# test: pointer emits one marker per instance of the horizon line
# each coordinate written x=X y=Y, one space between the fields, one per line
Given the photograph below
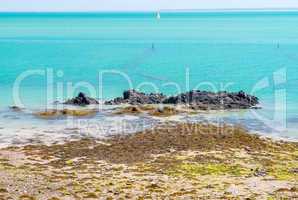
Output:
x=157 y=10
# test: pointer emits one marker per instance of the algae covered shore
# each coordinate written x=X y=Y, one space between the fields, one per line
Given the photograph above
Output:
x=170 y=161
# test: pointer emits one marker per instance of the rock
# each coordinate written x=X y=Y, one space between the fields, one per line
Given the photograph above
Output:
x=202 y=100
x=129 y=110
x=294 y=171
x=15 y=108
x=196 y=99
x=248 y=149
x=134 y=97
x=164 y=111
x=81 y=100
x=48 y=114
x=79 y=113
x=260 y=172
x=234 y=190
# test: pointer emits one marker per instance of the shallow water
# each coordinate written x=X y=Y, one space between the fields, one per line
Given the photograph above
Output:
x=22 y=128
x=252 y=51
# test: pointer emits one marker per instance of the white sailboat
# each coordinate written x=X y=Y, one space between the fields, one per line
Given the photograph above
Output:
x=158 y=15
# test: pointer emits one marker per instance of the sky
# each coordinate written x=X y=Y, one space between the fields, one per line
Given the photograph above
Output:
x=139 y=5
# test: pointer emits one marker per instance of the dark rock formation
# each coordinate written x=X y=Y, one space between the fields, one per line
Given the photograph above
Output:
x=210 y=100
x=15 y=108
x=81 y=100
x=260 y=172
x=198 y=100
x=134 y=97
x=294 y=171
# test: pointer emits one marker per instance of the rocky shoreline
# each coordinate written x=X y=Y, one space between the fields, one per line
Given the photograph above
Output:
x=153 y=104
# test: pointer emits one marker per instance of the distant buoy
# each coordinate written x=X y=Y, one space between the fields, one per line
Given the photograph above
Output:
x=158 y=15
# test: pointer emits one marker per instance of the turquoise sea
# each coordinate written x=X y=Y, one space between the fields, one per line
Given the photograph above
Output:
x=254 y=51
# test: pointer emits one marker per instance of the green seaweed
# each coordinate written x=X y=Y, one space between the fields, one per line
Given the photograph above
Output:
x=91 y=195
x=194 y=169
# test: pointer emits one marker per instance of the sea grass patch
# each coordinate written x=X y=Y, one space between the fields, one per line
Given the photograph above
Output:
x=141 y=146
x=128 y=110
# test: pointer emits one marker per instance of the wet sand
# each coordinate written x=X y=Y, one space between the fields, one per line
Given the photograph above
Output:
x=171 y=161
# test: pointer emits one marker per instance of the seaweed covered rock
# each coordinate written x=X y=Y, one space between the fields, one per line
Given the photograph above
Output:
x=53 y=114
x=81 y=100
x=152 y=110
x=165 y=111
x=129 y=110
x=134 y=97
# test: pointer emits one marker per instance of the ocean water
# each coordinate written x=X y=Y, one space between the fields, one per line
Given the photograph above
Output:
x=51 y=56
